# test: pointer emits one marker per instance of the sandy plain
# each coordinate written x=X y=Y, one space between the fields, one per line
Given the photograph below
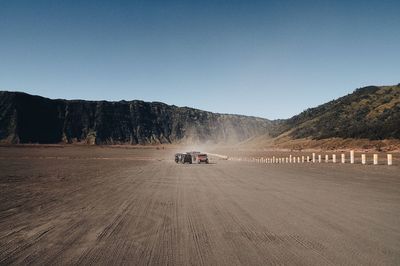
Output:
x=105 y=205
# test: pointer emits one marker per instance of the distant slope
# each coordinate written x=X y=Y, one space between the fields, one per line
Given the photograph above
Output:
x=26 y=118
x=368 y=118
x=370 y=112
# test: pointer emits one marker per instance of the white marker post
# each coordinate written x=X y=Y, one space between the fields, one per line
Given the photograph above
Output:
x=363 y=159
x=313 y=157
x=389 y=159
x=319 y=158
x=290 y=158
x=308 y=159
x=343 y=158
x=334 y=158
x=375 y=159
x=327 y=158
x=298 y=159
x=352 y=157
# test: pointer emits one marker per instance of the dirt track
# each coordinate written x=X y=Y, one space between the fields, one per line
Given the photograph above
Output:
x=125 y=206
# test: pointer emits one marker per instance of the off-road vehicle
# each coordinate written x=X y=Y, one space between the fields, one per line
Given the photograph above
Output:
x=187 y=158
x=202 y=158
x=178 y=157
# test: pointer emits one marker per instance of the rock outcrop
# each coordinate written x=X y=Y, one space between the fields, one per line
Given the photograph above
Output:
x=26 y=118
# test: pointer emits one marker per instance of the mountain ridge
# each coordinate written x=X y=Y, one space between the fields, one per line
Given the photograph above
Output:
x=116 y=122
x=367 y=118
x=371 y=112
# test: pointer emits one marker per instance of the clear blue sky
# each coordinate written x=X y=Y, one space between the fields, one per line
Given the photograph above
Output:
x=271 y=59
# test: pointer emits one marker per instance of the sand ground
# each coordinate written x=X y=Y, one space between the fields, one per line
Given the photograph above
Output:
x=100 y=205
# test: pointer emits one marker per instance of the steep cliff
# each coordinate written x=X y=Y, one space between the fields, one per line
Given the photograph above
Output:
x=26 y=118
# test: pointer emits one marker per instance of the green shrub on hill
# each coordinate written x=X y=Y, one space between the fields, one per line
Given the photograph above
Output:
x=371 y=112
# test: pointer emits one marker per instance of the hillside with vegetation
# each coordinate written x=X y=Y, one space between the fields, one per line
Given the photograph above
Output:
x=367 y=113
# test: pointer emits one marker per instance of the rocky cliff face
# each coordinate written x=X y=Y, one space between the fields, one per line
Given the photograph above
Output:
x=32 y=119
